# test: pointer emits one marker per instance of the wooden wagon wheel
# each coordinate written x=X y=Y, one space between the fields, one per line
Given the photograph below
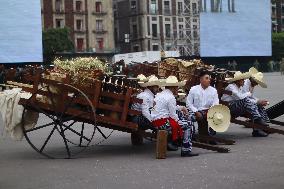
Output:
x=57 y=129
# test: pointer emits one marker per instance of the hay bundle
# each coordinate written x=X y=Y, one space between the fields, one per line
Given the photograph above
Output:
x=168 y=67
x=82 y=71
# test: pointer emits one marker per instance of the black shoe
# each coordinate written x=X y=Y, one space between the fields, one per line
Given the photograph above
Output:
x=188 y=154
x=212 y=132
x=172 y=146
x=259 y=133
x=212 y=142
x=261 y=122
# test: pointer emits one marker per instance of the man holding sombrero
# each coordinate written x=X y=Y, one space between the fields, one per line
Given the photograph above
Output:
x=200 y=99
x=151 y=85
x=165 y=117
x=240 y=102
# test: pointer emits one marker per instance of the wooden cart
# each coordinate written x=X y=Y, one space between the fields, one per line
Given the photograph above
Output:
x=72 y=116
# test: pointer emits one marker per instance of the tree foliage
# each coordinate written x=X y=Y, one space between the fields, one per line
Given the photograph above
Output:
x=56 y=40
x=278 y=45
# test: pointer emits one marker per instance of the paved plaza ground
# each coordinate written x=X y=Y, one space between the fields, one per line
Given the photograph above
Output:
x=252 y=162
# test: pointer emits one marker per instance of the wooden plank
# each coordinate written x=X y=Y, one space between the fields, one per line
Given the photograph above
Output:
x=161 y=145
x=97 y=93
x=220 y=140
x=253 y=125
x=280 y=123
x=211 y=147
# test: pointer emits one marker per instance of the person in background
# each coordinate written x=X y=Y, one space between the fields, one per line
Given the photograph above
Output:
x=241 y=103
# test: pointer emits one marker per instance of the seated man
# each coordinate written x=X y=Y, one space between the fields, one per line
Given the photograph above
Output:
x=151 y=88
x=165 y=117
x=200 y=99
x=240 y=102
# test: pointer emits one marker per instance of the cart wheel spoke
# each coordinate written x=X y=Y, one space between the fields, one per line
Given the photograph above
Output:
x=100 y=131
x=47 y=139
x=82 y=133
x=69 y=125
x=61 y=132
x=39 y=127
x=77 y=133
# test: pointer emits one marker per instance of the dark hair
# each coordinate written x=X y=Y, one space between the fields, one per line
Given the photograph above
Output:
x=203 y=73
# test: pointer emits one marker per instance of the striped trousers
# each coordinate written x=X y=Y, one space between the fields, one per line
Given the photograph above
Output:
x=246 y=105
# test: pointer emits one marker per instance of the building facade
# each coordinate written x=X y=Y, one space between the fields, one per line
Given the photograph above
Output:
x=90 y=22
x=156 y=25
x=277 y=15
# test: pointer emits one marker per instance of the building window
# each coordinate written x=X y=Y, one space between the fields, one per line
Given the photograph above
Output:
x=180 y=19
x=80 y=44
x=167 y=9
x=79 y=24
x=99 y=25
x=153 y=7
x=180 y=27
x=154 y=18
x=154 y=30
x=59 y=23
x=194 y=8
x=155 y=47
x=180 y=8
x=98 y=6
x=58 y=5
x=134 y=31
x=100 y=43
x=168 y=30
x=133 y=5
x=79 y=6
x=136 y=48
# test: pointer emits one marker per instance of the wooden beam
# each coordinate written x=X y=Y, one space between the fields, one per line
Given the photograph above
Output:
x=161 y=145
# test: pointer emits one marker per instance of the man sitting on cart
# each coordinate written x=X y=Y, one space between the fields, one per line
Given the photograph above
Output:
x=200 y=99
x=165 y=117
x=241 y=102
x=151 y=86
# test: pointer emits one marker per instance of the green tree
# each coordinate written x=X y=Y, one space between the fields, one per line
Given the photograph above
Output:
x=278 y=45
x=56 y=40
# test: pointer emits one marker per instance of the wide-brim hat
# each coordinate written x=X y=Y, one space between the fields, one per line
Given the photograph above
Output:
x=239 y=76
x=142 y=78
x=219 y=118
x=257 y=77
x=153 y=81
x=172 y=81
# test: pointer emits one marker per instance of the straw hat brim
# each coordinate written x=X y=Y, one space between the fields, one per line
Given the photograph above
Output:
x=177 y=84
x=225 y=111
x=260 y=82
x=149 y=84
x=240 y=77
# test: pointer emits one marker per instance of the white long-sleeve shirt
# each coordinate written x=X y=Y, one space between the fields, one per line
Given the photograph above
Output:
x=200 y=99
x=148 y=100
x=165 y=106
x=249 y=88
x=237 y=93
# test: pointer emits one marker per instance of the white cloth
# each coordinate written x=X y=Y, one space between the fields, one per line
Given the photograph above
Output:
x=199 y=99
x=165 y=106
x=237 y=93
x=148 y=100
x=12 y=113
x=248 y=88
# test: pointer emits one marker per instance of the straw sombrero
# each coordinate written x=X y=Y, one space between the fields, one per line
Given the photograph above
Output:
x=257 y=77
x=219 y=118
x=239 y=76
x=142 y=78
x=172 y=81
x=152 y=81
